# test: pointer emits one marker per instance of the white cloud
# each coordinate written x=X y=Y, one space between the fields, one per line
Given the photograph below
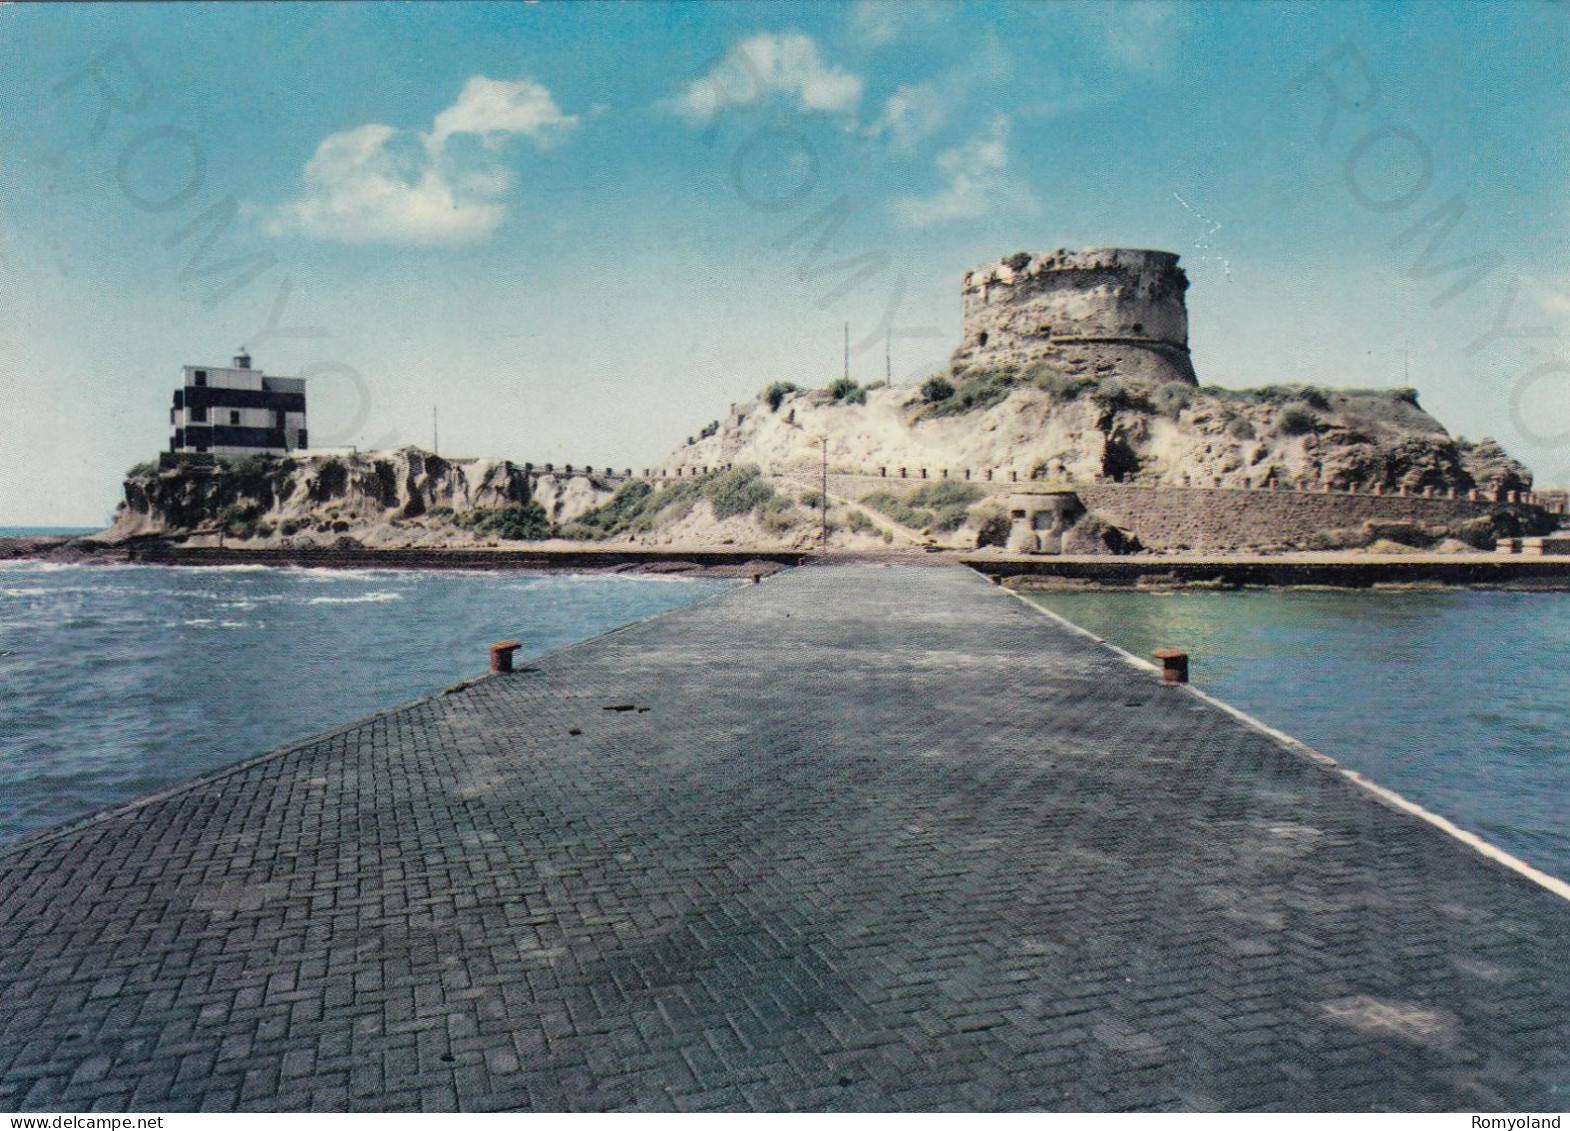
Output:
x=977 y=181
x=913 y=112
x=878 y=23
x=492 y=110
x=379 y=184
x=766 y=65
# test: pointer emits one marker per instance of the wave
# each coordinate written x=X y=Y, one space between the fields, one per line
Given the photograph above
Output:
x=367 y=598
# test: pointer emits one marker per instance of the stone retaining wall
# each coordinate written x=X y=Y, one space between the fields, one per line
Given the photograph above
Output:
x=1215 y=519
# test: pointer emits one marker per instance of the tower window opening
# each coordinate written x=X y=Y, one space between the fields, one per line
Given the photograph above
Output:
x=981 y=338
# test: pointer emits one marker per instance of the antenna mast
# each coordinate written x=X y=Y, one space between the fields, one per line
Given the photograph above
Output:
x=435 y=435
x=847 y=351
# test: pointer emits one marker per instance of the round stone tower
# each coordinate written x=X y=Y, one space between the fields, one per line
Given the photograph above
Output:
x=1104 y=312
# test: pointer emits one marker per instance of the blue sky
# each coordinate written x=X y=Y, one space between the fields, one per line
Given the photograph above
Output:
x=581 y=230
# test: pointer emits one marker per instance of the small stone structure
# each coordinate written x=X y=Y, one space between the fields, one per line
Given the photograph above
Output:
x=1038 y=520
x=1100 y=312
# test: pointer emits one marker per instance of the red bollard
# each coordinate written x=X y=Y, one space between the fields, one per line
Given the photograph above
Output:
x=501 y=655
x=1174 y=665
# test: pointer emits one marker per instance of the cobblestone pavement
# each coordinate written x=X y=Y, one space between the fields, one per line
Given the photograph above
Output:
x=858 y=838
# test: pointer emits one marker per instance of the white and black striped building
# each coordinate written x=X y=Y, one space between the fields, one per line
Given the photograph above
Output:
x=236 y=412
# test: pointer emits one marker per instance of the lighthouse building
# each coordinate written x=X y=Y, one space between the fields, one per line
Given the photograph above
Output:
x=236 y=412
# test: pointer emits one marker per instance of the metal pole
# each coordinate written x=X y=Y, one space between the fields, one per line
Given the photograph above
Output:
x=436 y=444
x=847 y=351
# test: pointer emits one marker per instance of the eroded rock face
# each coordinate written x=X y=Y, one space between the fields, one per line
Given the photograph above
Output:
x=330 y=495
x=1105 y=312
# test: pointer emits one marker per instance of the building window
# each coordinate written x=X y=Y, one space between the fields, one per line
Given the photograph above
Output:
x=234 y=416
x=201 y=378
x=199 y=414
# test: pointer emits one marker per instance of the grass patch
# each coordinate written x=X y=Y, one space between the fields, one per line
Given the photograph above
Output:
x=939 y=507
x=973 y=391
x=638 y=507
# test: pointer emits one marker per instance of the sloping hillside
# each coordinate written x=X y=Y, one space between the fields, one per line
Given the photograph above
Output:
x=1045 y=425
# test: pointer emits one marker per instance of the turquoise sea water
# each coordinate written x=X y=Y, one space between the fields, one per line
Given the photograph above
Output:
x=118 y=680
x=1458 y=700
x=47 y=531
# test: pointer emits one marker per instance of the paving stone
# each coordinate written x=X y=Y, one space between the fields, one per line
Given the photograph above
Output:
x=885 y=838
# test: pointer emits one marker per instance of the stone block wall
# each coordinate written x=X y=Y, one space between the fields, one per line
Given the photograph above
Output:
x=1220 y=520
x=1204 y=519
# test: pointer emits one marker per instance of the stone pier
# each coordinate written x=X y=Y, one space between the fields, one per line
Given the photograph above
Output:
x=860 y=837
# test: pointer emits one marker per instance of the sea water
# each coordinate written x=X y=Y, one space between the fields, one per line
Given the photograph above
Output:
x=1457 y=699
x=118 y=680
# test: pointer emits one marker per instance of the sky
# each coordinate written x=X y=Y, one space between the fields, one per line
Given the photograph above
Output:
x=577 y=232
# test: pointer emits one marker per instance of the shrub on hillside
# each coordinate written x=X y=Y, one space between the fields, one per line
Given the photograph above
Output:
x=978 y=389
x=526 y=522
x=938 y=506
x=736 y=492
x=846 y=391
x=1298 y=420
x=935 y=389
x=774 y=395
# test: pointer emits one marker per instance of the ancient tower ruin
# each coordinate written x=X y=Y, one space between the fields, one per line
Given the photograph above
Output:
x=1103 y=312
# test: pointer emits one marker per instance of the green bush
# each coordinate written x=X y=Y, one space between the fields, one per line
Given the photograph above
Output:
x=1298 y=420
x=736 y=492
x=527 y=522
x=812 y=500
x=846 y=391
x=615 y=516
x=858 y=523
x=978 y=389
x=935 y=389
x=774 y=395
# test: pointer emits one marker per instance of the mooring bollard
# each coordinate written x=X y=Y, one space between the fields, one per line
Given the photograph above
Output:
x=501 y=655
x=1174 y=665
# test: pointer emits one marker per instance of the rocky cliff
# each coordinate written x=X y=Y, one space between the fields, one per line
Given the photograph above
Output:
x=1039 y=424
x=411 y=498
x=406 y=497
